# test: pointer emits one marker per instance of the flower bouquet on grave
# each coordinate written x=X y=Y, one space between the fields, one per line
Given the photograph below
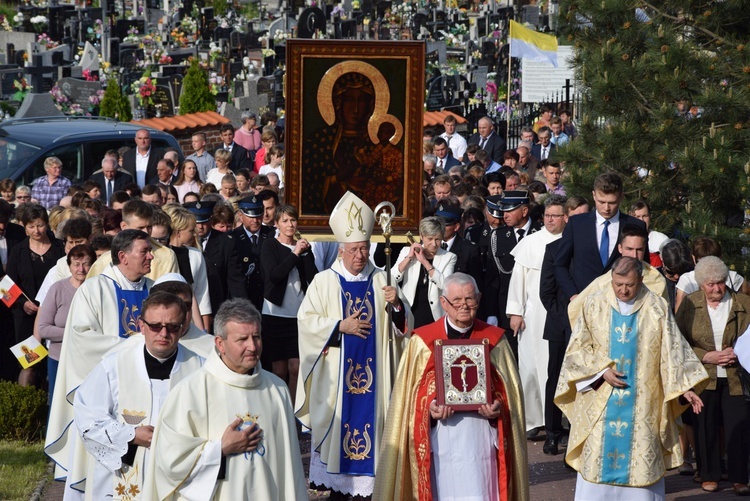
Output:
x=45 y=40
x=39 y=23
x=21 y=88
x=18 y=20
x=178 y=37
x=4 y=24
x=132 y=36
x=94 y=33
x=144 y=90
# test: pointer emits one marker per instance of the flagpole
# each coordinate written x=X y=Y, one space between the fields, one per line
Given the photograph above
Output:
x=507 y=96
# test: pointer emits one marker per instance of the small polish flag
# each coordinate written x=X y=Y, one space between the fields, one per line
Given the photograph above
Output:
x=9 y=291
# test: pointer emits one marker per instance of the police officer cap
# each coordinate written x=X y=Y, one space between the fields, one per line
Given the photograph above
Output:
x=201 y=210
x=493 y=206
x=513 y=200
x=251 y=206
x=450 y=213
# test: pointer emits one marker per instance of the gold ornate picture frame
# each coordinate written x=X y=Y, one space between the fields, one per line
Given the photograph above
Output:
x=462 y=373
x=354 y=123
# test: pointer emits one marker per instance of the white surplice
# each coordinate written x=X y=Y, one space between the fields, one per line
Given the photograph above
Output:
x=523 y=300
x=91 y=331
x=119 y=389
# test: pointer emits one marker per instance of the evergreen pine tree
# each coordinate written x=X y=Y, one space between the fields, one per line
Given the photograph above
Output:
x=114 y=104
x=196 y=94
x=667 y=105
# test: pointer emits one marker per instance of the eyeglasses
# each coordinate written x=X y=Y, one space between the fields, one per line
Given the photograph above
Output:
x=171 y=328
x=162 y=240
x=458 y=303
x=352 y=252
x=553 y=216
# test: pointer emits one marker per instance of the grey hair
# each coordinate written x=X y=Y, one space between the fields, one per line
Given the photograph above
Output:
x=248 y=115
x=23 y=189
x=459 y=279
x=430 y=159
x=555 y=199
x=624 y=265
x=710 y=269
x=123 y=242
x=432 y=227
x=107 y=160
x=237 y=310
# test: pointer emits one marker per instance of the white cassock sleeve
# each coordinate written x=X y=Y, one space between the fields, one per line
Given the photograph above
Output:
x=517 y=291
x=104 y=437
x=200 y=282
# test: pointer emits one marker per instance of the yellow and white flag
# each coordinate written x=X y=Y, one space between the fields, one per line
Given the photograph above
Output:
x=530 y=44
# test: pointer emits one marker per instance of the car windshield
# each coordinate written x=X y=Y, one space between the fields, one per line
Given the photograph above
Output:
x=14 y=154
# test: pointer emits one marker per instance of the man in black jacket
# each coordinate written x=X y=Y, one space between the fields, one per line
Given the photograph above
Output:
x=249 y=239
x=110 y=179
x=140 y=162
x=222 y=267
x=240 y=159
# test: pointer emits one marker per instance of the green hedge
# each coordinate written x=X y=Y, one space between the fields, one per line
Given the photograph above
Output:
x=23 y=412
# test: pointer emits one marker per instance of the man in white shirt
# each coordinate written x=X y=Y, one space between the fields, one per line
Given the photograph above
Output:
x=456 y=142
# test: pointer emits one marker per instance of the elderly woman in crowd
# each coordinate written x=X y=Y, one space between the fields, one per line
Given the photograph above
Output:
x=420 y=270
x=711 y=320
x=248 y=135
x=53 y=312
x=28 y=264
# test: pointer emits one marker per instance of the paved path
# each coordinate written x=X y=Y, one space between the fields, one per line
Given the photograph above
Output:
x=550 y=480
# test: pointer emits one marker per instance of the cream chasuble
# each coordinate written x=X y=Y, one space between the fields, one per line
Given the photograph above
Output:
x=186 y=449
x=115 y=398
x=319 y=391
x=626 y=437
x=523 y=300
x=91 y=331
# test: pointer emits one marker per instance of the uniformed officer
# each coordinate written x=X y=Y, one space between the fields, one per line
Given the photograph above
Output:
x=513 y=207
x=222 y=268
x=249 y=239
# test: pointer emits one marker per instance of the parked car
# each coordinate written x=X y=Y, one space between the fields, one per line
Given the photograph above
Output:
x=79 y=142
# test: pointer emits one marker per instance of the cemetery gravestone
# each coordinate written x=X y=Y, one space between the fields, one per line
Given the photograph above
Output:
x=79 y=91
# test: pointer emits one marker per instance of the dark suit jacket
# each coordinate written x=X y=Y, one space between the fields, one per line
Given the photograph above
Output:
x=155 y=180
x=468 y=260
x=495 y=294
x=225 y=280
x=248 y=256
x=14 y=235
x=121 y=179
x=536 y=150
x=495 y=146
x=128 y=162
x=577 y=263
x=449 y=162
x=276 y=262
x=240 y=157
x=557 y=325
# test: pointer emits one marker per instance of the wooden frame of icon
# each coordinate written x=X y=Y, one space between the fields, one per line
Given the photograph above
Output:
x=354 y=123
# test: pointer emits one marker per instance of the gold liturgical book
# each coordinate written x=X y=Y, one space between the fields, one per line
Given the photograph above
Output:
x=462 y=373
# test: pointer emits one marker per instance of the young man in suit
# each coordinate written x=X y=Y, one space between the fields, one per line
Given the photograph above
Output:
x=488 y=140
x=240 y=159
x=588 y=246
x=445 y=159
x=110 y=179
x=249 y=239
x=140 y=162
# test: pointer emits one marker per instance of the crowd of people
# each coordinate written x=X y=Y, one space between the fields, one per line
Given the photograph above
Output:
x=192 y=329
